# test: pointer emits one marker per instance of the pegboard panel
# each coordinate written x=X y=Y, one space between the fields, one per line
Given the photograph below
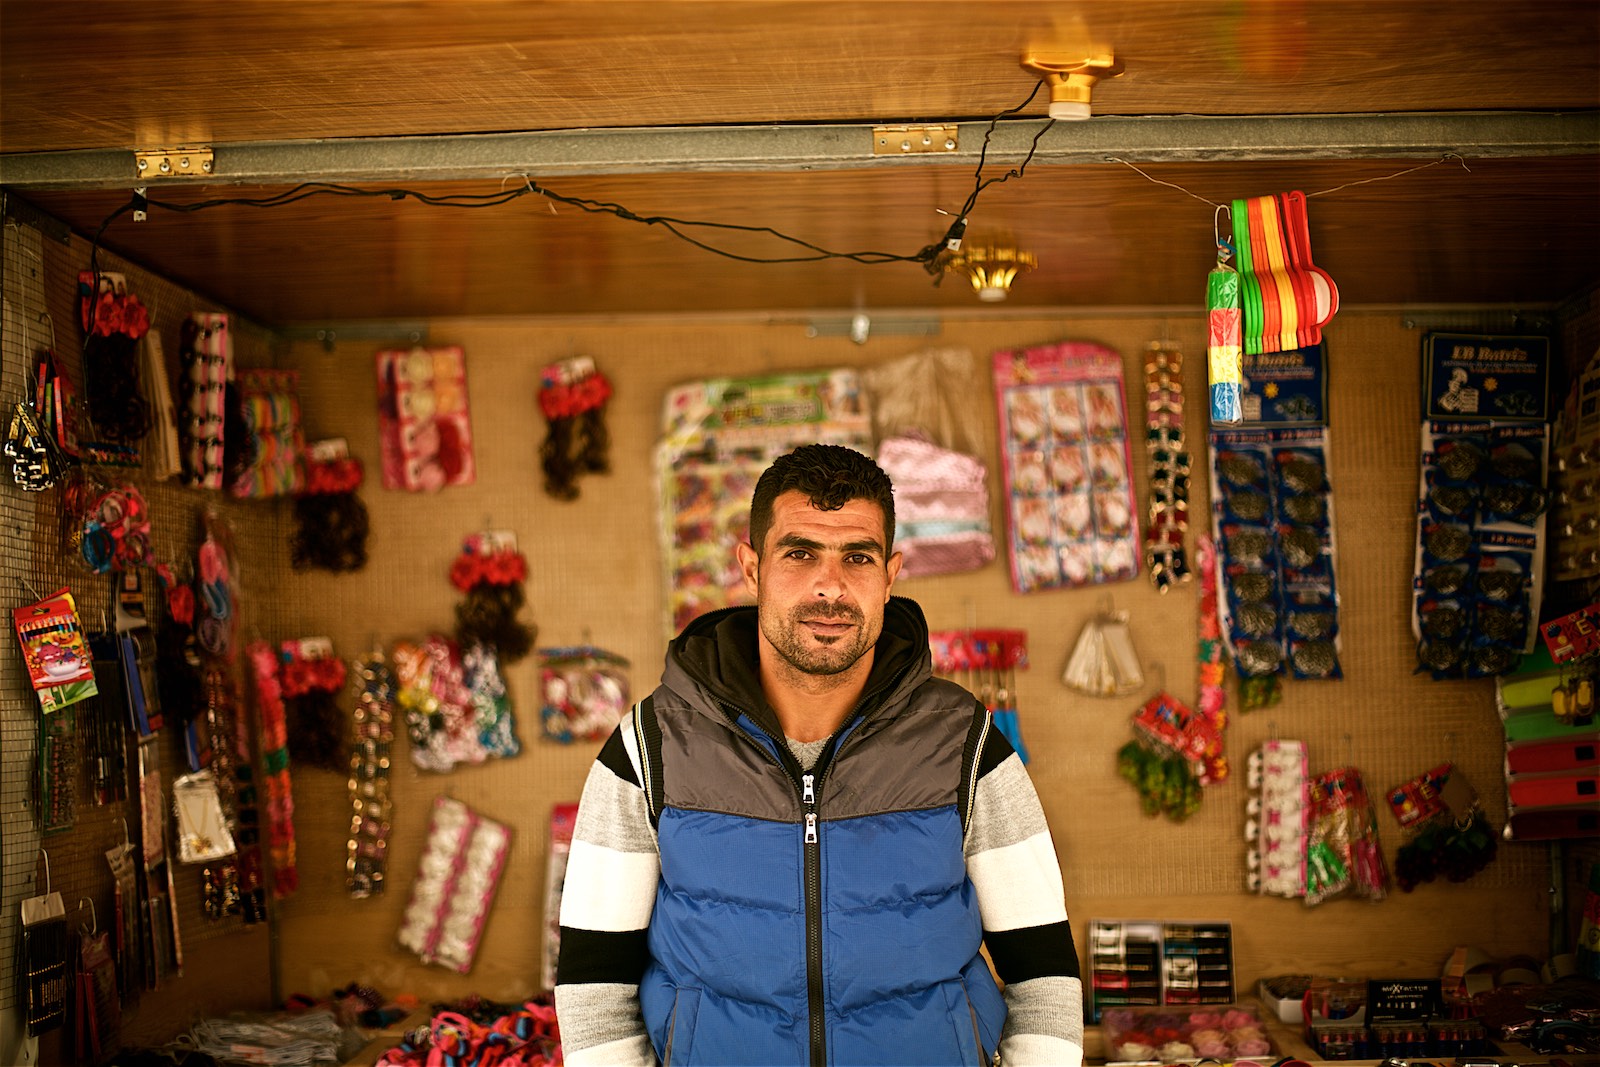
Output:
x=594 y=566
x=41 y=311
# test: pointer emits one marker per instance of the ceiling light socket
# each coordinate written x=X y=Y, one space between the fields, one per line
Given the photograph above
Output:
x=1072 y=78
x=990 y=268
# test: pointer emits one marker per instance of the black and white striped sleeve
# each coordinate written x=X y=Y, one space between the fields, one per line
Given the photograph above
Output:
x=606 y=901
x=1012 y=863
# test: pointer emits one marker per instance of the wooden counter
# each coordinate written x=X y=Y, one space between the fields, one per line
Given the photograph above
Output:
x=1288 y=1039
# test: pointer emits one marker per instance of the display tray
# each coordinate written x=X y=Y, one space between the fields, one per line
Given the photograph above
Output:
x=1184 y=1035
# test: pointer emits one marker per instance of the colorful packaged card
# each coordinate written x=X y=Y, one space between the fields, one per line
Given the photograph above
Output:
x=1068 y=472
x=718 y=435
x=60 y=666
x=423 y=424
x=270 y=405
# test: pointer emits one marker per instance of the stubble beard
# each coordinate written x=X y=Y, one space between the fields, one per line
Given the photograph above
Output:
x=790 y=639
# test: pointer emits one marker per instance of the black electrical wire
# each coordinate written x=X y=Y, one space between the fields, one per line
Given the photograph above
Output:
x=928 y=255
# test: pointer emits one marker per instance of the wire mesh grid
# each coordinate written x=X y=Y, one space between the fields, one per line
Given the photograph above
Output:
x=41 y=312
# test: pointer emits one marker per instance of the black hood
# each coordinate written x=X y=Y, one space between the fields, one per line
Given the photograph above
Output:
x=713 y=662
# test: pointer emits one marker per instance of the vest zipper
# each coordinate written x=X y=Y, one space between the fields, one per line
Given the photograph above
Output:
x=806 y=783
x=813 y=856
x=809 y=784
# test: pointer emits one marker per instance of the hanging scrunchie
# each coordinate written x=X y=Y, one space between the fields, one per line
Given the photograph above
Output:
x=572 y=395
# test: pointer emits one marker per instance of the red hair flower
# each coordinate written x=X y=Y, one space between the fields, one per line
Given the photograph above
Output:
x=564 y=401
x=471 y=569
x=120 y=314
x=302 y=676
x=325 y=477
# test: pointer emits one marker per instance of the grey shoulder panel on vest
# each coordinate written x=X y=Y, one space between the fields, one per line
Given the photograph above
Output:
x=907 y=758
x=709 y=765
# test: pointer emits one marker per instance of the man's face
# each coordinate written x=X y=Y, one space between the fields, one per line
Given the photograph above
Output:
x=821 y=582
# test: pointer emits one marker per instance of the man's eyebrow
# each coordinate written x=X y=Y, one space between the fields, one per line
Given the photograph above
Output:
x=796 y=541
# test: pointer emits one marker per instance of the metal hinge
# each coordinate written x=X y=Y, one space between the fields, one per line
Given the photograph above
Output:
x=908 y=140
x=194 y=162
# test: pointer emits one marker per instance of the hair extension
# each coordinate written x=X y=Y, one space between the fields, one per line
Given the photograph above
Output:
x=331 y=521
x=572 y=395
x=560 y=470
x=314 y=722
x=596 y=442
x=488 y=616
x=331 y=533
x=111 y=381
x=316 y=730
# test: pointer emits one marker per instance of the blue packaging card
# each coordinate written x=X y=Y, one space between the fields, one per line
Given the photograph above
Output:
x=1485 y=376
x=1285 y=388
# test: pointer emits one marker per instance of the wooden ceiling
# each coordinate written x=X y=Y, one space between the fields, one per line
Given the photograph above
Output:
x=96 y=79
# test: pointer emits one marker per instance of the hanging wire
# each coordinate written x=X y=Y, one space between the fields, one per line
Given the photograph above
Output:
x=1158 y=181
x=927 y=255
x=1446 y=158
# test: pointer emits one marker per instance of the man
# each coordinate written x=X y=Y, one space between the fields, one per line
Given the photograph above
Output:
x=793 y=850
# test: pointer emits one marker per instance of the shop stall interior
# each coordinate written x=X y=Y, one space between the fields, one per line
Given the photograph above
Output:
x=332 y=332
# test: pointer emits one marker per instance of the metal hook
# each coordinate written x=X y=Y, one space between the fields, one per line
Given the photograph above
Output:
x=29 y=587
x=46 y=856
x=44 y=316
x=94 y=920
x=125 y=839
x=1224 y=246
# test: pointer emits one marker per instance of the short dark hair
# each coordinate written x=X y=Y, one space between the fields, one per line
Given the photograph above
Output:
x=830 y=476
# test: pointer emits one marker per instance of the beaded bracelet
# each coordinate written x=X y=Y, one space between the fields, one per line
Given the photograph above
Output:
x=1164 y=552
x=366 y=863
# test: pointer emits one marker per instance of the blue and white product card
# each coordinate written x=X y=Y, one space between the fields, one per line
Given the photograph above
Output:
x=1285 y=388
x=1485 y=376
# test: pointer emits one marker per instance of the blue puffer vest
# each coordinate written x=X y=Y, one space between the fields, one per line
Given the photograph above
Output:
x=820 y=918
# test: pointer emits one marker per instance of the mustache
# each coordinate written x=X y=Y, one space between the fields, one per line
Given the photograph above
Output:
x=841 y=614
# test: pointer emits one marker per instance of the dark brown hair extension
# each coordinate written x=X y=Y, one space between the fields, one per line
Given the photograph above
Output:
x=315 y=725
x=488 y=616
x=560 y=468
x=331 y=532
x=595 y=453
x=117 y=407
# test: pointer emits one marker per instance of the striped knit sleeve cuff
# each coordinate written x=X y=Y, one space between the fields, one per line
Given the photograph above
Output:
x=589 y=1036
x=1044 y=1023
x=607 y=897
